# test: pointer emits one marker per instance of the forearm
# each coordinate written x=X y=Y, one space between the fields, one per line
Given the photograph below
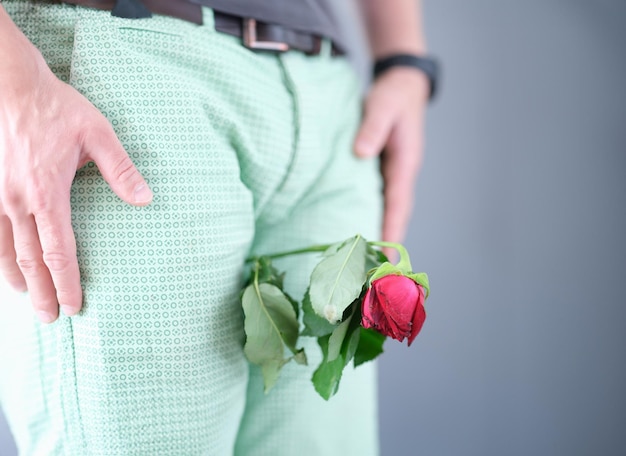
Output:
x=394 y=26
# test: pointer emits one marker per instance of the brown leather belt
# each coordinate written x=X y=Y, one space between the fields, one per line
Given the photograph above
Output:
x=255 y=34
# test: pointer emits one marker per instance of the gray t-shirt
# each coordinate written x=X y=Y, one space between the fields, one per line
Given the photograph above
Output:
x=315 y=16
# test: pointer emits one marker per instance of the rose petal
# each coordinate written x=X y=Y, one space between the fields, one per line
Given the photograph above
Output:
x=366 y=309
x=398 y=297
x=418 y=318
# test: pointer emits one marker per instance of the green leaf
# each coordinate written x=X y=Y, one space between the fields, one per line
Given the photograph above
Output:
x=351 y=343
x=265 y=272
x=338 y=349
x=375 y=257
x=342 y=338
x=333 y=248
x=314 y=325
x=337 y=280
x=270 y=370
x=370 y=346
x=271 y=328
x=336 y=339
x=327 y=376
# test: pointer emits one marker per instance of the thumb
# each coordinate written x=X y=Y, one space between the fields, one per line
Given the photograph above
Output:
x=103 y=147
x=376 y=126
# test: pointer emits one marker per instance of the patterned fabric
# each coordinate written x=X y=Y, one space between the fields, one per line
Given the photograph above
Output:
x=246 y=153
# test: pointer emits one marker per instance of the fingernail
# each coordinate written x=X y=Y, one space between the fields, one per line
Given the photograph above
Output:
x=142 y=194
x=69 y=311
x=46 y=317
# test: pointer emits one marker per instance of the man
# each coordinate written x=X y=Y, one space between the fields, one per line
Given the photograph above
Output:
x=233 y=151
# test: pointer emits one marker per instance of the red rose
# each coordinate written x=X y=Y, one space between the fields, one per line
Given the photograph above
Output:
x=394 y=306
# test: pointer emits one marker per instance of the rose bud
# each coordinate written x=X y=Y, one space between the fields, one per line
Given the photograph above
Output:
x=394 y=306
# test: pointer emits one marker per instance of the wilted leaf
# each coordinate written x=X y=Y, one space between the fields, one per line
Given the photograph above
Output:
x=271 y=328
x=314 y=325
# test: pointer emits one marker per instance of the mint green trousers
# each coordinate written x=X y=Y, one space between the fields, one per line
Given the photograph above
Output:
x=246 y=153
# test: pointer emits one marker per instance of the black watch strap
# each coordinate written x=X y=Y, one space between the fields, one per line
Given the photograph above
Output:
x=428 y=65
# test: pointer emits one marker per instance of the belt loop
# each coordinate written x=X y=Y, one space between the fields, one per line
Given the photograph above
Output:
x=130 y=9
x=208 y=19
x=326 y=48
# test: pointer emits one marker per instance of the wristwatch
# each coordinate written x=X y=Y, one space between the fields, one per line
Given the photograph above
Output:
x=428 y=65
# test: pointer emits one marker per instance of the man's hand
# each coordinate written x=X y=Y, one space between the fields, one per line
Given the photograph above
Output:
x=394 y=109
x=393 y=124
x=47 y=131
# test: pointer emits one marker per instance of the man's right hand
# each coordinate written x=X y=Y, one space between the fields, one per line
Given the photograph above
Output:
x=48 y=130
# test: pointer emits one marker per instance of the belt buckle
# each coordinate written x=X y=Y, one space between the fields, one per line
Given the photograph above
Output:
x=251 y=42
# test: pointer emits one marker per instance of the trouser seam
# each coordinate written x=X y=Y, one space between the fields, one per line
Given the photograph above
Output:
x=290 y=85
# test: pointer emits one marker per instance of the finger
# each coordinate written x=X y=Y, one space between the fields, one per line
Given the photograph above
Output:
x=30 y=260
x=103 y=147
x=397 y=215
x=8 y=265
x=400 y=165
x=397 y=211
x=378 y=120
x=58 y=247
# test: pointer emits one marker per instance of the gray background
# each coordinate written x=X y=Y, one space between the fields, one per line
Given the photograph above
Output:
x=520 y=214
x=520 y=223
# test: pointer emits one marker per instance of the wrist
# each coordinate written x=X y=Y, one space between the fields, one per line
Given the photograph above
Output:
x=20 y=60
x=428 y=67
